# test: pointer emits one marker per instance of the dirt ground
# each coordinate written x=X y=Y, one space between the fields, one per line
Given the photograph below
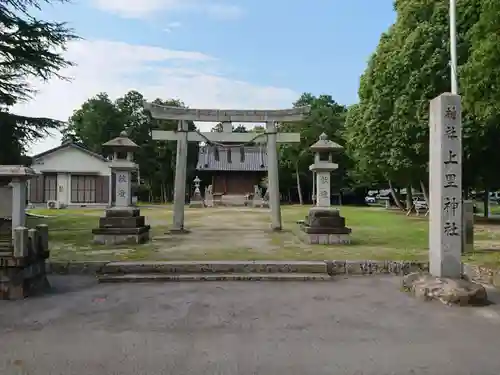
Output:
x=224 y=230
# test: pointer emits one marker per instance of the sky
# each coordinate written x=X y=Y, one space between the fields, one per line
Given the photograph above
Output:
x=227 y=54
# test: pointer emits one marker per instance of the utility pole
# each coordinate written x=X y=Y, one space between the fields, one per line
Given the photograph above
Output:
x=453 y=46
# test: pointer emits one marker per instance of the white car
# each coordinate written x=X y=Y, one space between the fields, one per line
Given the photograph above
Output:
x=420 y=204
x=369 y=199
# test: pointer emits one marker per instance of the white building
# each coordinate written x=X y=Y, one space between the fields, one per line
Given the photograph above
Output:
x=70 y=175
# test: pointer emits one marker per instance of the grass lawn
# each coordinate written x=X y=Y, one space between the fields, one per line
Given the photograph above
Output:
x=243 y=234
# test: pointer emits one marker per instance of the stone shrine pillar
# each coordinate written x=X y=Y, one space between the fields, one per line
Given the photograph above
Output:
x=196 y=199
x=445 y=182
x=23 y=251
x=123 y=222
x=323 y=224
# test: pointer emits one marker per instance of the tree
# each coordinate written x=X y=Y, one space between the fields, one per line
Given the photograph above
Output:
x=99 y=119
x=387 y=131
x=480 y=83
x=326 y=116
x=27 y=49
x=96 y=122
x=236 y=129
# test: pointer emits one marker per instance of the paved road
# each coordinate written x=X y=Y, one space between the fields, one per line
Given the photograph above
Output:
x=354 y=326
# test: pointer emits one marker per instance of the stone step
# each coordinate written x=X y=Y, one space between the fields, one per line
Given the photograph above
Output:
x=162 y=277
x=217 y=267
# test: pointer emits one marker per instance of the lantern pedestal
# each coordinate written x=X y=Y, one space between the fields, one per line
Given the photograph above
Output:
x=324 y=226
x=121 y=225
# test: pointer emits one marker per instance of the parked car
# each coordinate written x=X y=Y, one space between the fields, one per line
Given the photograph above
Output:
x=420 y=204
x=369 y=199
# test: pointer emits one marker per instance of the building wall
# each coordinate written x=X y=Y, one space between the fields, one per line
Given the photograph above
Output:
x=235 y=182
x=65 y=165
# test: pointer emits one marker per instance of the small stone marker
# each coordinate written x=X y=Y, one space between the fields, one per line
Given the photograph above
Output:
x=258 y=200
x=323 y=224
x=445 y=181
x=196 y=199
x=209 y=196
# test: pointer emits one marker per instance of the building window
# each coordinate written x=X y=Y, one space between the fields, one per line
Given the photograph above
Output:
x=83 y=189
x=242 y=154
x=50 y=187
x=229 y=159
x=216 y=153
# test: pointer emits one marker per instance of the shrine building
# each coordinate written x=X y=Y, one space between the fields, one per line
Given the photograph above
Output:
x=232 y=169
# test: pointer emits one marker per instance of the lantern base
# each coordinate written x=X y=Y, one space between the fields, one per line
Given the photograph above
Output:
x=324 y=226
x=121 y=225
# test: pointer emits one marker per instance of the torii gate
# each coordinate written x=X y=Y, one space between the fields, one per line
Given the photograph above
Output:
x=183 y=136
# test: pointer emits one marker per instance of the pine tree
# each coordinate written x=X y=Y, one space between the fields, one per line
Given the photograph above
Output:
x=29 y=48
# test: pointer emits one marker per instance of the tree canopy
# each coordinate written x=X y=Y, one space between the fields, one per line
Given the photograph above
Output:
x=29 y=48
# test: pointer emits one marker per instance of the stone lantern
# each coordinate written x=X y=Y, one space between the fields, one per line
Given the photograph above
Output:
x=323 y=224
x=122 y=222
x=196 y=199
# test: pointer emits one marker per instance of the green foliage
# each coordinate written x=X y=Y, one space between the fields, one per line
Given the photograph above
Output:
x=29 y=48
x=387 y=132
x=99 y=119
x=326 y=116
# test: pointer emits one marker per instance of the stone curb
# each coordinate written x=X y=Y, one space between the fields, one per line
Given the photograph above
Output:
x=330 y=267
x=247 y=276
x=75 y=268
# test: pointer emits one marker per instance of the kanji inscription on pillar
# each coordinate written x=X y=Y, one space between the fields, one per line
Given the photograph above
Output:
x=445 y=181
x=323 y=189
x=123 y=188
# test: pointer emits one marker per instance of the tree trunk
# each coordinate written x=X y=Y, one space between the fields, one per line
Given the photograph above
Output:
x=424 y=192
x=486 y=203
x=299 y=188
x=395 y=196
x=409 y=198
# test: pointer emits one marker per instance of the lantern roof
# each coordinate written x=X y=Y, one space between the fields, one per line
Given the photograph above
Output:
x=122 y=142
x=324 y=144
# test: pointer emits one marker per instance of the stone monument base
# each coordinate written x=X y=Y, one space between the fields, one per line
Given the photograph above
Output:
x=22 y=265
x=449 y=291
x=121 y=226
x=260 y=203
x=196 y=204
x=325 y=239
x=324 y=226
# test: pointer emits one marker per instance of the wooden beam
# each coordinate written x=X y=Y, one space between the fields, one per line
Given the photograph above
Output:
x=224 y=115
x=164 y=135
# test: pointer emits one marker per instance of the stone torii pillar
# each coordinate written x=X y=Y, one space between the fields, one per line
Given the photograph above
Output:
x=226 y=117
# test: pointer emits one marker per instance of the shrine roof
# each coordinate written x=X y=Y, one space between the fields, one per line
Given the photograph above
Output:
x=255 y=159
